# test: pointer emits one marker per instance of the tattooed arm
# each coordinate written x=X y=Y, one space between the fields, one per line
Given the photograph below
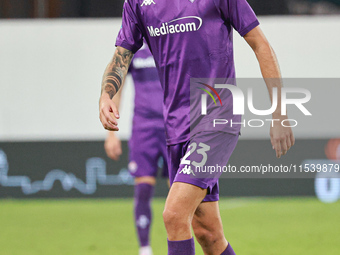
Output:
x=113 y=78
x=116 y=71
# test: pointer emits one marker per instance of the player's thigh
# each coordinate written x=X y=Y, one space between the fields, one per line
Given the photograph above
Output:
x=183 y=199
x=207 y=218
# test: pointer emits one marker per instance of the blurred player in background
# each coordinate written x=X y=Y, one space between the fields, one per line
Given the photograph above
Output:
x=193 y=39
x=147 y=144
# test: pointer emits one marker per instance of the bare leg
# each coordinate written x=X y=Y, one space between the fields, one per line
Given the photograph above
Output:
x=181 y=204
x=208 y=228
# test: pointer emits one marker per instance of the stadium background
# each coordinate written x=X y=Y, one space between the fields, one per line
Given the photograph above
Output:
x=52 y=56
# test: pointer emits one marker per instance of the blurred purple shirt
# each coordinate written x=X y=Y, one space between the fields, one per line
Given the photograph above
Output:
x=148 y=110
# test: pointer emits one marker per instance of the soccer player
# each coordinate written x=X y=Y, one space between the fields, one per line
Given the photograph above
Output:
x=147 y=144
x=193 y=39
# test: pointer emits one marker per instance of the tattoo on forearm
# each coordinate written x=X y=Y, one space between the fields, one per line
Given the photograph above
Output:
x=116 y=71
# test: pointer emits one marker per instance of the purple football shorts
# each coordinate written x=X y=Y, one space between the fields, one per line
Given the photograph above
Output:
x=188 y=161
x=147 y=152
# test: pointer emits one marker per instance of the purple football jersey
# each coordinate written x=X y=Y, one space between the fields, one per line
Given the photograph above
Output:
x=148 y=111
x=188 y=39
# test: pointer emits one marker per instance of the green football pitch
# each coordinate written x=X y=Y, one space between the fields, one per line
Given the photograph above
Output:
x=255 y=226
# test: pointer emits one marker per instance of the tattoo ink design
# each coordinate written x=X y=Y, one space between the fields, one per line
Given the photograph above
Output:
x=116 y=71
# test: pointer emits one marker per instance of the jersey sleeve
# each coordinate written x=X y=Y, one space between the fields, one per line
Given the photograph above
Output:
x=240 y=15
x=130 y=36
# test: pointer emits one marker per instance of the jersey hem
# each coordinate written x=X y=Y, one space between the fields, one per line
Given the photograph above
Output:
x=192 y=181
x=182 y=139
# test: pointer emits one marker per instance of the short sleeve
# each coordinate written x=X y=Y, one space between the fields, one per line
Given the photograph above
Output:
x=240 y=15
x=130 y=36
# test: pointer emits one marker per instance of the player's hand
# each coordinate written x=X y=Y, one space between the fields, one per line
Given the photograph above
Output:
x=108 y=113
x=282 y=138
x=113 y=146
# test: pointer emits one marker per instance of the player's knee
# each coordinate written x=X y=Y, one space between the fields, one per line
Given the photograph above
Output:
x=207 y=237
x=170 y=217
x=174 y=220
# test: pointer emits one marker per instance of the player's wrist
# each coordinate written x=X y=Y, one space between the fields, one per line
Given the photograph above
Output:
x=112 y=134
x=104 y=96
